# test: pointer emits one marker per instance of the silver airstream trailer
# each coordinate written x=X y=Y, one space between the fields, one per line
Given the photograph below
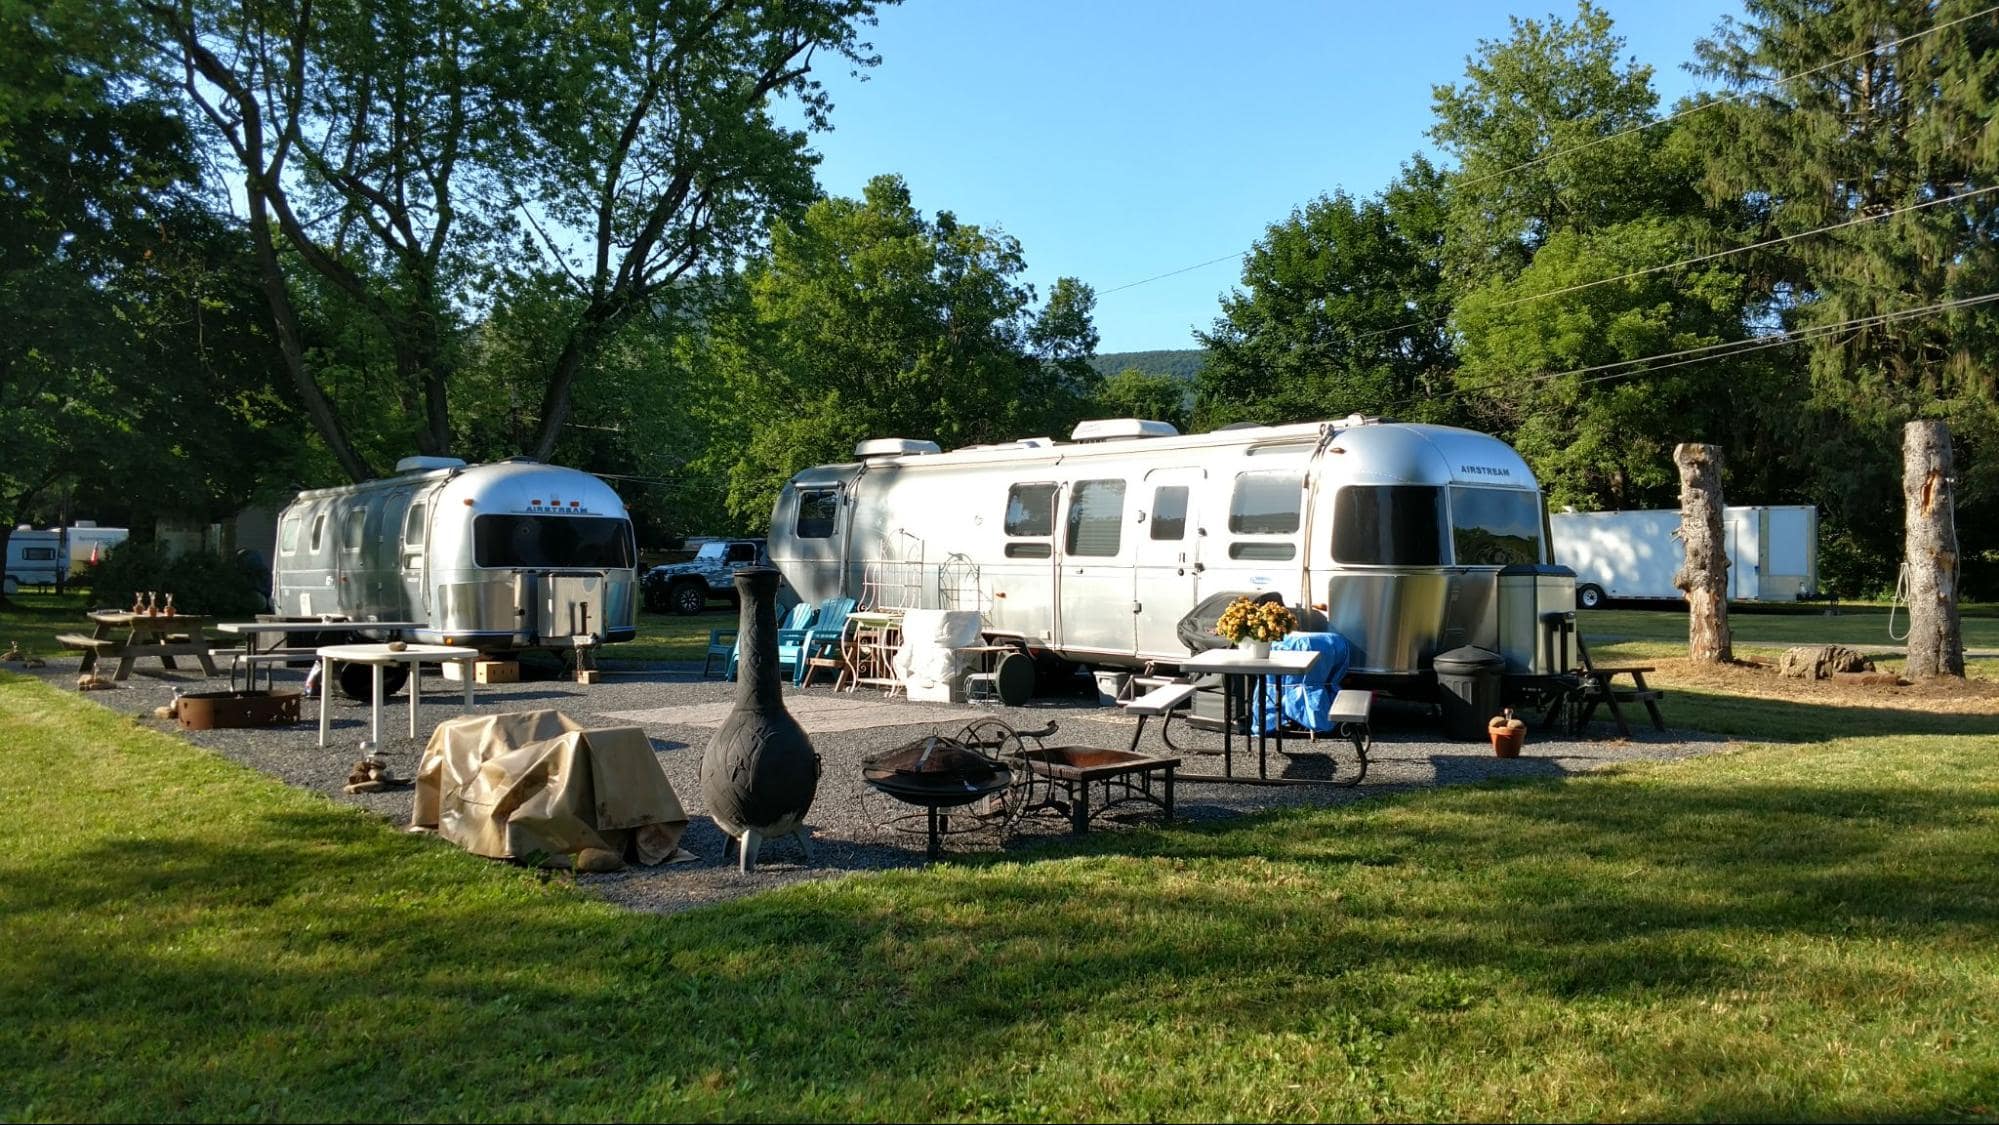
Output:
x=506 y=556
x=1094 y=549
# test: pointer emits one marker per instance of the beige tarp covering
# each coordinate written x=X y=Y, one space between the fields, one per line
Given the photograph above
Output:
x=508 y=786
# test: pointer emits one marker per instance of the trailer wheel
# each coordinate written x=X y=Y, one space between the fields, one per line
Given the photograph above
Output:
x=10 y=586
x=1588 y=596
x=357 y=681
x=689 y=598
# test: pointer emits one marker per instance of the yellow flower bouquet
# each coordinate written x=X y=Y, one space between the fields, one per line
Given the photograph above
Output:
x=1253 y=625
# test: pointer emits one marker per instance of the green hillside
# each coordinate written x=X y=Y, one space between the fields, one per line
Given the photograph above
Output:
x=1184 y=362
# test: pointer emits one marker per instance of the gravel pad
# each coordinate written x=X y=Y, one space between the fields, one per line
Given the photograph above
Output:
x=679 y=711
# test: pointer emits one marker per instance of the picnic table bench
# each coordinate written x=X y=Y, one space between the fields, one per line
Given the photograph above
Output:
x=1599 y=688
x=146 y=635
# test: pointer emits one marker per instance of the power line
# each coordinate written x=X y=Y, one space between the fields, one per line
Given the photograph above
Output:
x=1172 y=273
x=1722 y=100
x=1695 y=260
x=1646 y=365
x=1607 y=138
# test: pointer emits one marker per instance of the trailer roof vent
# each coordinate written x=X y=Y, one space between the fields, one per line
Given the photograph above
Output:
x=1359 y=419
x=1113 y=429
x=428 y=464
x=895 y=447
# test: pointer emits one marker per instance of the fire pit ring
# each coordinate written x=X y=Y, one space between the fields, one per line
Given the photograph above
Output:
x=937 y=774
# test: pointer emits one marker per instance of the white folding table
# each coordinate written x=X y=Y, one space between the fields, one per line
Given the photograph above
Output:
x=1242 y=672
x=380 y=657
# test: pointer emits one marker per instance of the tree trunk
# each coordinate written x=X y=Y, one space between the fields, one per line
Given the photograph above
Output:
x=1929 y=547
x=1704 y=574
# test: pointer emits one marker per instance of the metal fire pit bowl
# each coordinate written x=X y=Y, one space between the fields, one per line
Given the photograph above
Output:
x=935 y=774
x=209 y=710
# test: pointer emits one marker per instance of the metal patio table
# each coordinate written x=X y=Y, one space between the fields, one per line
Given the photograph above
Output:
x=281 y=631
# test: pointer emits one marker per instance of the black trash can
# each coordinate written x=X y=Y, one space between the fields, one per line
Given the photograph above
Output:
x=1469 y=682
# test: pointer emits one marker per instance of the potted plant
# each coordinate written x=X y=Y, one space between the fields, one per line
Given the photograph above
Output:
x=1251 y=626
x=1508 y=734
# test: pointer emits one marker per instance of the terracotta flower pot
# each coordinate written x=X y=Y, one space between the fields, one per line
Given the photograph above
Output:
x=1508 y=734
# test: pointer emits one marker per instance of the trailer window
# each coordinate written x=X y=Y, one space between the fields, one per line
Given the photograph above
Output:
x=350 y=534
x=288 y=535
x=413 y=525
x=318 y=531
x=818 y=512
x=1266 y=503
x=1389 y=525
x=1169 y=511
x=1096 y=519
x=1495 y=526
x=1264 y=551
x=38 y=554
x=1030 y=511
x=588 y=542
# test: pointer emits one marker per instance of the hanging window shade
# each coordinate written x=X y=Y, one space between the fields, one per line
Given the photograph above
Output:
x=1096 y=519
x=1169 y=511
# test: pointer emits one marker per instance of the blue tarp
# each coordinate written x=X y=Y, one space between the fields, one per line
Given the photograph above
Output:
x=1307 y=701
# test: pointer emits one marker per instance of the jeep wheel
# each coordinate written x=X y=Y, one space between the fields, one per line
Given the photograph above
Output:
x=656 y=600
x=688 y=598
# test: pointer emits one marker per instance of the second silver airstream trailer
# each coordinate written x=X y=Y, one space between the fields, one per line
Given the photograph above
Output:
x=507 y=556
x=1094 y=549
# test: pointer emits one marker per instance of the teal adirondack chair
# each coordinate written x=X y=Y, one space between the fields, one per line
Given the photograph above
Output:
x=723 y=644
x=799 y=647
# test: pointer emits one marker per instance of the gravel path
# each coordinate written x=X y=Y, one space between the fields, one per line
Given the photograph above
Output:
x=678 y=709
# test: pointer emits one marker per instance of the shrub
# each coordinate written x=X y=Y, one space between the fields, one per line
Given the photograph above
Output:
x=200 y=581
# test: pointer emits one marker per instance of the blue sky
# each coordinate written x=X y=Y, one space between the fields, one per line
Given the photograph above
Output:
x=1117 y=141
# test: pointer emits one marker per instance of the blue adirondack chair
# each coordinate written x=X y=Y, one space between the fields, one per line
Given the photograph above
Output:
x=799 y=647
x=725 y=645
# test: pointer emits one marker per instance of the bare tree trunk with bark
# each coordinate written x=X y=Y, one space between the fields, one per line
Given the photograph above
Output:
x=1929 y=548
x=1703 y=576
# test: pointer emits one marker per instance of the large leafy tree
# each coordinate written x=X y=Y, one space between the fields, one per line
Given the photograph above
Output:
x=1570 y=214
x=1340 y=310
x=869 y=319
x=1132 y=393
x=415 y=155
x=1893 y=109
x=130 y=375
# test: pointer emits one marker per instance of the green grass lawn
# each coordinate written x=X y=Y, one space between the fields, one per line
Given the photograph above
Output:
x=1799 y=931
x=669 y=636
x=1860 y=628
x=34 y=620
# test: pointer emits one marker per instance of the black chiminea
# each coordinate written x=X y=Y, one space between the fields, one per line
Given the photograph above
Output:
x=760 y=772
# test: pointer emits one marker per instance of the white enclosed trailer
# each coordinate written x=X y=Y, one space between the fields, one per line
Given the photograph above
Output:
x=34 y=558
x=1773 y=553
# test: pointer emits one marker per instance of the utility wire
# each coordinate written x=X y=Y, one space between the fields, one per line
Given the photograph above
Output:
x=1607 y=138
x=1860 y=220
x=1646 y=365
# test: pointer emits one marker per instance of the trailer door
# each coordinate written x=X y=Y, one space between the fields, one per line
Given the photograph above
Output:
x=1095 y=596
x=1745 y=575
x=1166 y=571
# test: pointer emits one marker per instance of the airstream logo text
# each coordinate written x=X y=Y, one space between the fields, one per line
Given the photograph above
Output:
x=1484 y=471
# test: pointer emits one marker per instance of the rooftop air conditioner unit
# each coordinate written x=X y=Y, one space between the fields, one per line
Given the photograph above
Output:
x=895 y=447
x=1113 y=429
x=428 y=464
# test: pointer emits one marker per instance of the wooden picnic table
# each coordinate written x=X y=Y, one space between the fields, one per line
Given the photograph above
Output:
x=145 y=635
